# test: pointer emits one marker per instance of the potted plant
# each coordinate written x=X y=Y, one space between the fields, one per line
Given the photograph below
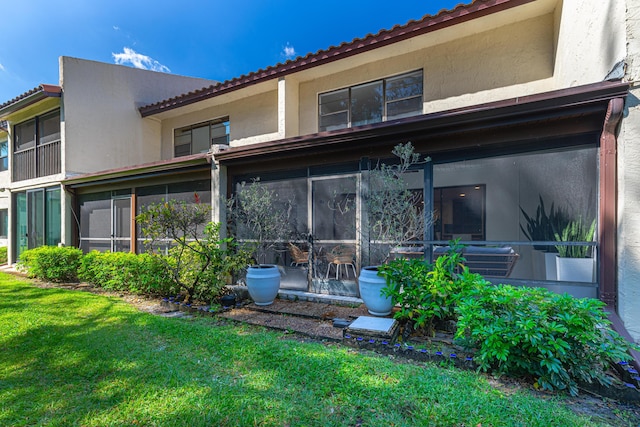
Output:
x=543 y=228
x=395 y=219
x=574 y=262
x=262 y=225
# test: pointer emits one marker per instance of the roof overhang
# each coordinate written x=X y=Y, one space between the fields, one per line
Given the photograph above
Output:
x=142 y=171
x=428 y=24
x=31 y=97
x=566 y=112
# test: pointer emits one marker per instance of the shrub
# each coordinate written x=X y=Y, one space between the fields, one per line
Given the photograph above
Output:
x=427 y=292
x=125 y=271
x=558 y=340
x=200 y=262
x=52 y=263
x=3 y=254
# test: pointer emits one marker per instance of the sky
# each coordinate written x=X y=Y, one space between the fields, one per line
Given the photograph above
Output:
x=210 y=39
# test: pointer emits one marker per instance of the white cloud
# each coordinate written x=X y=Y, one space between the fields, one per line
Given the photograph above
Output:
x=138 y=60
x=2 y=68
x=289 y=52
x=116 y=28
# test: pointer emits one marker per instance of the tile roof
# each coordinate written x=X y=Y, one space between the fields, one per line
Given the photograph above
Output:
x=42 y=91
x=444 y=18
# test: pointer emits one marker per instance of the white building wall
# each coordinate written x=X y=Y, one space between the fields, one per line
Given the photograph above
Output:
x=102 y=126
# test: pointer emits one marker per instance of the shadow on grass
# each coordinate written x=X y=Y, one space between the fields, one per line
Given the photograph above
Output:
x=74 y=358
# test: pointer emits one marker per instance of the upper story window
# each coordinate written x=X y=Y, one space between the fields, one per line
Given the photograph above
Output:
x=37 y=149
x=199 y=138
x=4 y=155
x=373 y=102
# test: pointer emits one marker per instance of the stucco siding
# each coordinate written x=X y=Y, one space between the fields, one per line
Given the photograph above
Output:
x=252 y=119
x=103 y=128
x=591 y=40
x=629 y=185
x=489 y=66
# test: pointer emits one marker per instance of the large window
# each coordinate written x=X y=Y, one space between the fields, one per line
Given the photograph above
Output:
x=37 y=147
x=199 y=138
x=373 y=102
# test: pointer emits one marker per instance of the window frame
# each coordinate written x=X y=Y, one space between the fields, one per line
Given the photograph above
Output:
x=223 y=140
x=349 y=102
x=4 y=159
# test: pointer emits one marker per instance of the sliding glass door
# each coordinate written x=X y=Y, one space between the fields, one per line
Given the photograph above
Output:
x=38 y=219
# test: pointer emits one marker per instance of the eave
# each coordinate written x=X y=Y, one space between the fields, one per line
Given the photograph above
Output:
x=428 y=24
x=35 y=95
x=142 y=171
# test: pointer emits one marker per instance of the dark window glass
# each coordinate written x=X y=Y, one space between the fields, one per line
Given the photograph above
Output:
x=334 y=110
x=49 y=128
x=4 y=223
x=4 y=156
x=366 y=104
x=373 y=102
x=25 y=135
x=199 y=138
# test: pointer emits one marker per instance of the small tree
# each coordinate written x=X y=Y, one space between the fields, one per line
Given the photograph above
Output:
x=395 y=215
x=255 y=216
x=199 y=261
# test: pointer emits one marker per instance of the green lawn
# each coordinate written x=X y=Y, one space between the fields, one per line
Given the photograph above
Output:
x=72 y=358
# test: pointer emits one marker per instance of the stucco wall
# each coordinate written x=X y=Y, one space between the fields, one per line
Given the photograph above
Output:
x=591 y=40
x=489 y=66
x=101 y=122
x=629 y=185
x=252 y=119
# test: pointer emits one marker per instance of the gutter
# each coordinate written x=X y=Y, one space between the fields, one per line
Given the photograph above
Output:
x=145 y=170
x=33 y=96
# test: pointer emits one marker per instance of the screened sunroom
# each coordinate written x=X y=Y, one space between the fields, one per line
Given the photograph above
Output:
x=519 y=183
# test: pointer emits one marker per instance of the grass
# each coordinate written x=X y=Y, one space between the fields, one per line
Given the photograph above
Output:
x=70 y=358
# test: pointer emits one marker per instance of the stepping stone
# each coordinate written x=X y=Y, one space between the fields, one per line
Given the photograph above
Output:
x=377 y=328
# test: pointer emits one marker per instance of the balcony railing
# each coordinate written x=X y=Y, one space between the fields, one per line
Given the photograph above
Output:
x=43 y=160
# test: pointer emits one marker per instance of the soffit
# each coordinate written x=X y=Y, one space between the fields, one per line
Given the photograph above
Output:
x=359 y=46
x=39 y=98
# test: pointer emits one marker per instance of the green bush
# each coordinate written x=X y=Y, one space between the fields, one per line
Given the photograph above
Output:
x=427 y=292
x=125 y=271
x=558 y=340
x=3 y=254
x=200 y=262
x=52 y=263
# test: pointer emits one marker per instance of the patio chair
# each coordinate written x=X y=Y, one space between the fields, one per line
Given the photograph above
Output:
x=298 y=256
x=341 y=255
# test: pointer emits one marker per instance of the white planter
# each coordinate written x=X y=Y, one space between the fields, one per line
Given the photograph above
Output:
x=263 y=283
x=575 y=269
x=551 y=269
x=371 y=292
x=544 y=265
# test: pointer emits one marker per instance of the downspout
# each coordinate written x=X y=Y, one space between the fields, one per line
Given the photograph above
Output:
x=607 y=227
